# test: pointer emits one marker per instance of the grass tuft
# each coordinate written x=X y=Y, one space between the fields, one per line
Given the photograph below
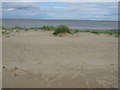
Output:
x=48 y=28
x=61 y=29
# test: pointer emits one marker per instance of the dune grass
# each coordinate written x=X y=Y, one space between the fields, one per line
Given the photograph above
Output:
x=110 y=32
x=29 y=28
x=48 y=28
x=61 y=29
x=57 y=30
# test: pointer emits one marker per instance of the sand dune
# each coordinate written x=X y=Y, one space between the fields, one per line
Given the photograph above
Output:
x=37 y=59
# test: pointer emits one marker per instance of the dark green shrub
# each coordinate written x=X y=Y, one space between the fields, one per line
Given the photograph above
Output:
x=61 y=29
x=26 y=29
x=96 y=32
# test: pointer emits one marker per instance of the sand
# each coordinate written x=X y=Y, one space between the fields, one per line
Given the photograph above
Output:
x=37 y=59
x=0 y=59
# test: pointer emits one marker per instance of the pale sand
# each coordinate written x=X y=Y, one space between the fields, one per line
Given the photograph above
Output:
x=37 y=59
x=0 y=60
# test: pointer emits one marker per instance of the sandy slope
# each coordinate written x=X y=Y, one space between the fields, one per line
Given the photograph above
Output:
x=38 y=59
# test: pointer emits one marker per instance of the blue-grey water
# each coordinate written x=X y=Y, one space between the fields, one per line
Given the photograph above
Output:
x=83 y=24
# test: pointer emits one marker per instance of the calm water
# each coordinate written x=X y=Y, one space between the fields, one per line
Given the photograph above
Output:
x=83 y=24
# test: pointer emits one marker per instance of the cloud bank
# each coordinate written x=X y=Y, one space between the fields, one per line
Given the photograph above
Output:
x=61 y=10
x=60 y=0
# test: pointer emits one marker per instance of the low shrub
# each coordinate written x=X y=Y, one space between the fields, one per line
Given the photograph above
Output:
x=26 y=29
x=95 y=32
x=61 y=29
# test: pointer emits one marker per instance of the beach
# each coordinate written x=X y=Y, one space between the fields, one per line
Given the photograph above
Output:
x=38 y=59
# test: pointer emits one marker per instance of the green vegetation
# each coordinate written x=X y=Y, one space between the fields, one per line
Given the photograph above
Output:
x=48 y=28
x=26 y=29
x=7 y=28
x=17 y=27
x=58 y=30
x=61 y=29
x=110 y=32
x=31 y=28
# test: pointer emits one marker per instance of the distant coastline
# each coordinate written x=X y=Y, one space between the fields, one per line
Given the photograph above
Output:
x=57 y=19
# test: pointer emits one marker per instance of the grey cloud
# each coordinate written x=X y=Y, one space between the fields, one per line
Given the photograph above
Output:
x=68 y=11
x=19 y=5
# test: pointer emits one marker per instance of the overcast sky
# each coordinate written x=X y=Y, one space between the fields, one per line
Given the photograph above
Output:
x=61 y=10
x=60 y=0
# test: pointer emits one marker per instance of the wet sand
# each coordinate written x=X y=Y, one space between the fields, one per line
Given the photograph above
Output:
x=37 y=59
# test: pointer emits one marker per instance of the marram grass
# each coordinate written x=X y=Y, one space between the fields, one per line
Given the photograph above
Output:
x=58 y=29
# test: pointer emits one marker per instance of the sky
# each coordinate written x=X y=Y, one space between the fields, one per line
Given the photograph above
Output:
x=60 y=0
x=107 y=11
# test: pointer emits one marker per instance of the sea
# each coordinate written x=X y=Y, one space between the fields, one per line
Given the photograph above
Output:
x=75 y=24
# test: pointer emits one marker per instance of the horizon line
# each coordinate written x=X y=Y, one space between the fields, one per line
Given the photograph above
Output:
x=56 y=19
